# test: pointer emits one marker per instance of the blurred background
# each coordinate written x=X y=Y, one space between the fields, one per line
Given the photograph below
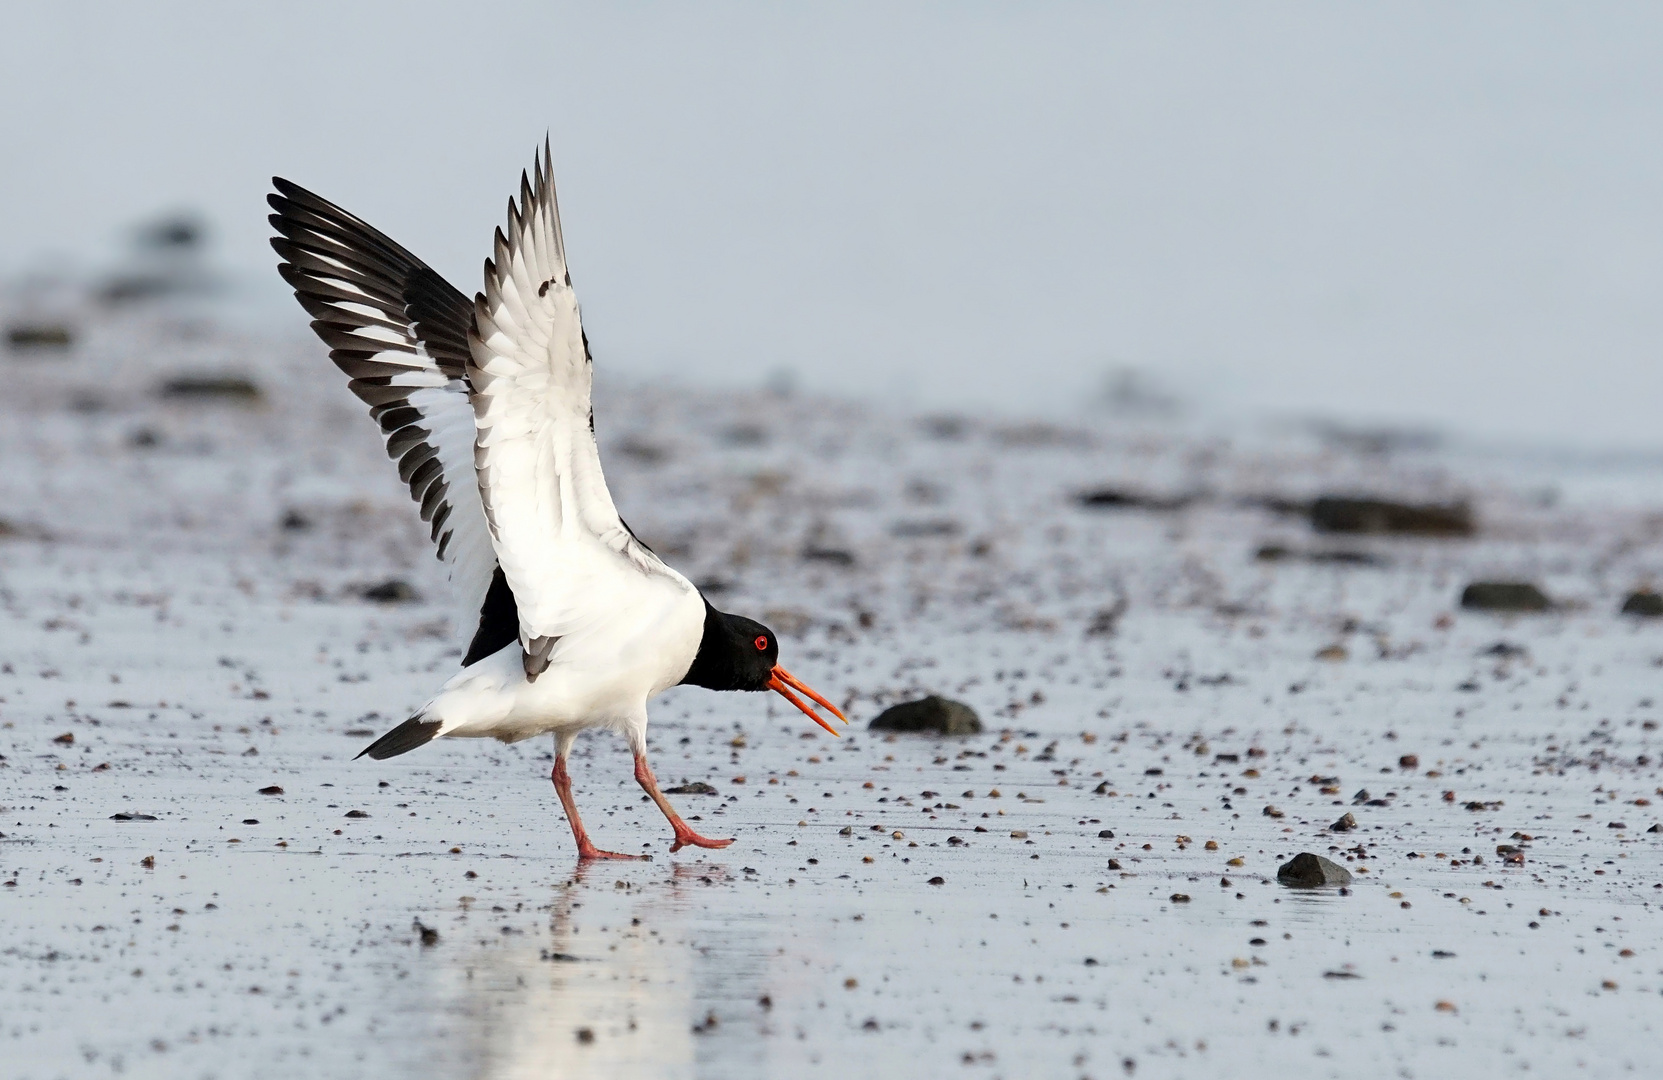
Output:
x=1424 y=216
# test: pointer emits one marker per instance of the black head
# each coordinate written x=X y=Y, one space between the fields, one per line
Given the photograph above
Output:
x=737 y=653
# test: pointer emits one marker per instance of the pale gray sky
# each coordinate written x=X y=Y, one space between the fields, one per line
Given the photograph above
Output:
x=1430 y=213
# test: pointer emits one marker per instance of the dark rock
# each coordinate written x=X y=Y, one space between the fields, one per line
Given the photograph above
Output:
x=1114 y=864
x=644 y=452
x=931 y=714
x=1346 y=557
x=271 y=790
x=910 y=530
x=1308 y=871
x=295 y=521
x=1504 y=596
x=1179 y=898
x=1109 y=498
x=697 y=787
x=1106 y=834
x=1504 y=650
x=1408 y=761
x=1321 y=556
x=1332 y=514
x=132 y=817
x=391 y=591
x=1645 y=603
x=938 y=881
x=144 y=438
x=835 y=556
x=211 y=388
x=21 y=337
x=1345 y=824
x=357 y=814
x=66 y=739
x=429 y=936
x=1106 y=621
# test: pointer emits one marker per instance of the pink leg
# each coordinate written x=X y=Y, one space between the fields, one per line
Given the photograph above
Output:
x=585 y=847
x=684 y=833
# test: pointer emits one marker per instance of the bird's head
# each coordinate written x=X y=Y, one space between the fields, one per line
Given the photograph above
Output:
x=737 y=653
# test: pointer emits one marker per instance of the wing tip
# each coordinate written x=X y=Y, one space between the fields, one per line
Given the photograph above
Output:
x=406 y=737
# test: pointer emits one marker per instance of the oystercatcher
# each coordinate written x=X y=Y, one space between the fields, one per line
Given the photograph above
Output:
x=568 y=620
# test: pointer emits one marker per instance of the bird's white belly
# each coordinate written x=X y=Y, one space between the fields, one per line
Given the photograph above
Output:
x=600 y=676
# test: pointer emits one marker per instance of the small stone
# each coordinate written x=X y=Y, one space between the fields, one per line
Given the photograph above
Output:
x=1272 y=812
x=357 y=814
x=1345 y=824
x=938 y=881
x=391 y=591
x=272 y=789
x=1408 y=761
x=1331 y=514
x=1308 y=871
x=23 y=336
x=1114 y=864
x=585 y=1036
x=1333 y=653
x=932 y=714
x=1110 y=498
x=1108 y=834
x=429 y=936
x=1179 y=898
x=697 y=787
x=1645 y=603
x=211 y=388
x=1504 y=596
x=132 y=817
x=66 y=739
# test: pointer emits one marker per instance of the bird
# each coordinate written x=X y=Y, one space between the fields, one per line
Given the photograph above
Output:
x=567 y=621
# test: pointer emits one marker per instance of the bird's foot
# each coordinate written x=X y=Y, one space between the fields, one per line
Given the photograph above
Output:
x=586 y=852
x=689 y=838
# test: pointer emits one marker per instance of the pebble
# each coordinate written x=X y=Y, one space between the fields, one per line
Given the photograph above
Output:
x=929 y=714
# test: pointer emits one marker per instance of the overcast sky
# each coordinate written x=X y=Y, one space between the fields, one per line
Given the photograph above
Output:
x=1442 y=213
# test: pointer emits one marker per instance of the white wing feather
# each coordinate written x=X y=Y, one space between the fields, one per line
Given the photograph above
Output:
x=563 y=549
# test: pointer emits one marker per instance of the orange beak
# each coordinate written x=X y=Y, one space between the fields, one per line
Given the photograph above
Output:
x=783 y=682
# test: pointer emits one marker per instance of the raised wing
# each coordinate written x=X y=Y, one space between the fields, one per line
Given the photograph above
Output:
x=565 y=553
x=400 y=332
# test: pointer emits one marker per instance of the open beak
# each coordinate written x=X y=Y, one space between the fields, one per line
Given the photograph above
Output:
x=782 y=682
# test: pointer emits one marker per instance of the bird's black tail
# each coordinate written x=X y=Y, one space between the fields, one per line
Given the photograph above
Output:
x=406 y=737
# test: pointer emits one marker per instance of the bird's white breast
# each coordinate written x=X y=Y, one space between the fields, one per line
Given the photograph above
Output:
x=632 y=645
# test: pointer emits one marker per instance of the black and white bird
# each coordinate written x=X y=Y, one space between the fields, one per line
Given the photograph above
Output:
x=567 y=620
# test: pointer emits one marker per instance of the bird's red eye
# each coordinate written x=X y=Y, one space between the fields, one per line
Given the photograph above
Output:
x=761 y=643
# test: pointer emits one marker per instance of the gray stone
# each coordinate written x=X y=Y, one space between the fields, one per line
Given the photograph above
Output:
x=1645 y=603
x=1331 y=514
x=1504 y=596
x=1308 y=871
x=391 y=591
x=933 y=714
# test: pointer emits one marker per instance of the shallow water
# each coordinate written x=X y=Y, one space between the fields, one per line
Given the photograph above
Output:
x=155 y=608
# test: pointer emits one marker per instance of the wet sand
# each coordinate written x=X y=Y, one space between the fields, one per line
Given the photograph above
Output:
x=1086 y=889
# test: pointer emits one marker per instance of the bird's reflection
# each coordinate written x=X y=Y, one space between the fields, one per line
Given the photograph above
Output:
x=628 y=975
